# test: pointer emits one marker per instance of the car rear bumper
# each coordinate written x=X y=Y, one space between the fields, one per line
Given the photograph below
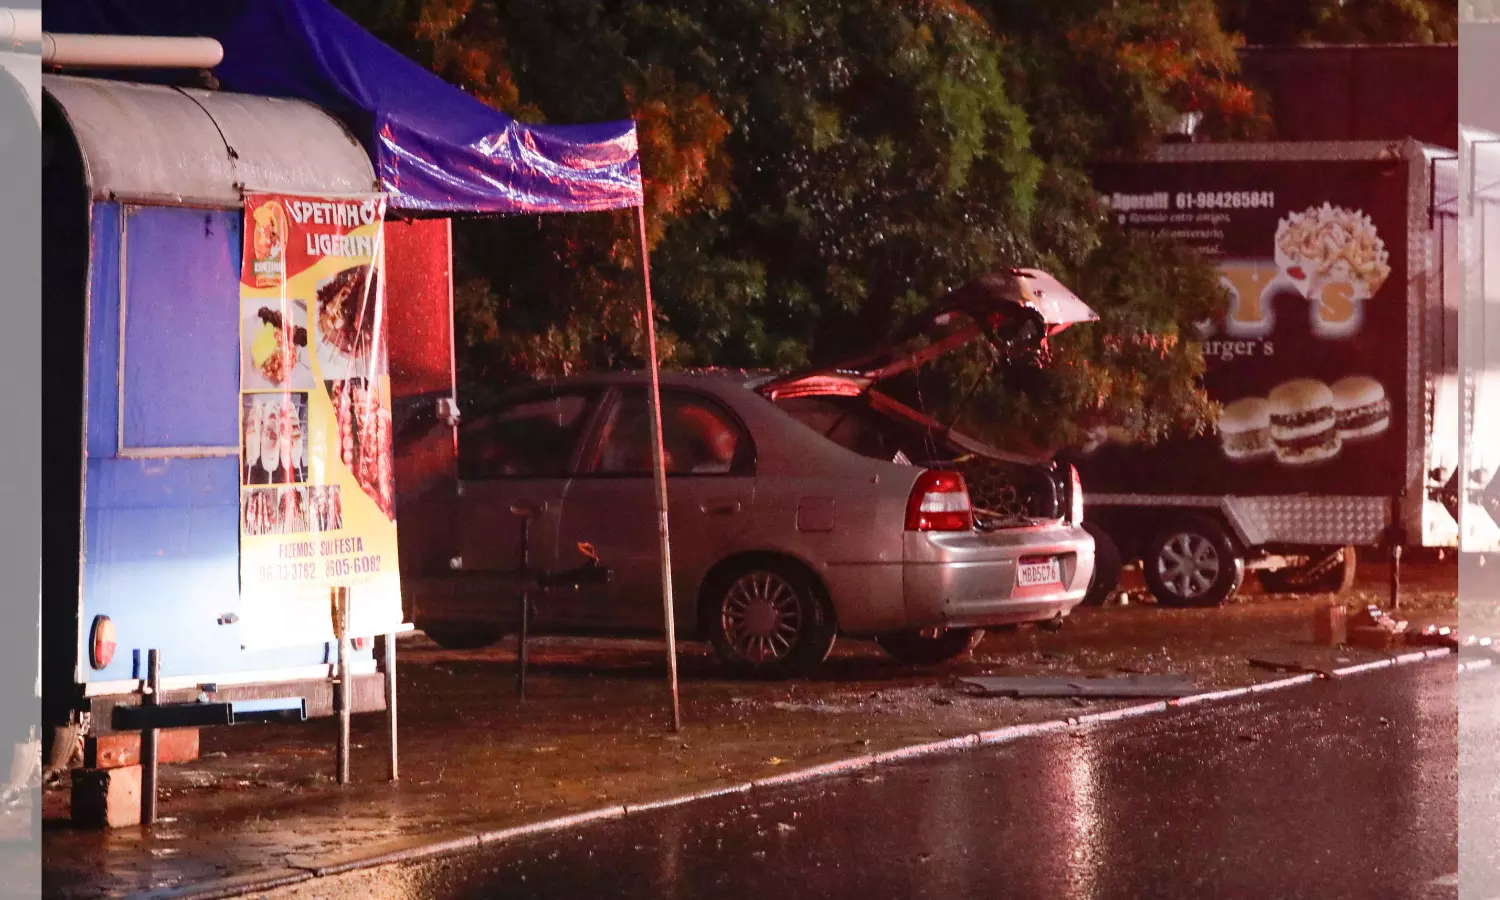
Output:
x=970 y=579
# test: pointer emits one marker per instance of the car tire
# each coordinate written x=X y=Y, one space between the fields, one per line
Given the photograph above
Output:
x=918 y=648
x=769 y=619
x=1193 y=562
x=1107 y=566
x=462 y=637
x=1332 y=572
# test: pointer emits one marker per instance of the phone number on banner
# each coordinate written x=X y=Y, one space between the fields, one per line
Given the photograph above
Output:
x=280 y=572
x=309 y=571
x=1227 y=200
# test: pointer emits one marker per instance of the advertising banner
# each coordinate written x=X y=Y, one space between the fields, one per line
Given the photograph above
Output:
x=317 y=495
x=1310 y=361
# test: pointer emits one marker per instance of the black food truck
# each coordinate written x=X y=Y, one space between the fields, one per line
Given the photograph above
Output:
x=1336 y=367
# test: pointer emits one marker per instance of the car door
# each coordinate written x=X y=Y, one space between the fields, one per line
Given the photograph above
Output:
x=611 y=504
x=513 y=461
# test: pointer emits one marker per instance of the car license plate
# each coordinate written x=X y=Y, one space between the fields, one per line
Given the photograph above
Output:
x=1040 y=572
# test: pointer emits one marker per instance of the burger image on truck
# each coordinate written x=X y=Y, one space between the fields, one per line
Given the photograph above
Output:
x=1334 y=366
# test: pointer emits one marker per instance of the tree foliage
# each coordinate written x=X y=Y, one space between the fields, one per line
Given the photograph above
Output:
x=818 y=169
x=1342 y=21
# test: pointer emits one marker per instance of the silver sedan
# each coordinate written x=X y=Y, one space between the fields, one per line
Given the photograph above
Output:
x=801 y=507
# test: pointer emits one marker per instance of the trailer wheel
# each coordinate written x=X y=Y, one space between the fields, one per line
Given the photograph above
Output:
x=1331 y=572
x=1193 y=562
x=1107 y=566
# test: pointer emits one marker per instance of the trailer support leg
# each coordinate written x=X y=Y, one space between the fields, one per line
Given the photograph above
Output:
x=149 y=744
x=390 y=699
x=344 y=695
x=524 y=636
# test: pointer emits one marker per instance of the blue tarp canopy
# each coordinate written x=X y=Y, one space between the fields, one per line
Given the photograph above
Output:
x=434 y=147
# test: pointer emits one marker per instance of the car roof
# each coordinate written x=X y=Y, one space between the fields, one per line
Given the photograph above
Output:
x=702 y=378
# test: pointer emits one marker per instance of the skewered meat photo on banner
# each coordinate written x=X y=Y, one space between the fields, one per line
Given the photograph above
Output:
x=317 y=501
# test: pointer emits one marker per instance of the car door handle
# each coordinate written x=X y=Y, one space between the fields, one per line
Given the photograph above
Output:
x=721 y=507
x=528 y=509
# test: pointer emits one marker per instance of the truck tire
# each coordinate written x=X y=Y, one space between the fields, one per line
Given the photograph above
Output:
x=1330 y=572
x=1107 y=566
x=1193 y=562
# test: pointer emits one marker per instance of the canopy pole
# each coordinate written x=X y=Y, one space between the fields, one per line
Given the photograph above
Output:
x=658 y=463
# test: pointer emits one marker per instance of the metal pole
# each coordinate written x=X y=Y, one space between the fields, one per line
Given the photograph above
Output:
x=1396 y=577
x=345 y=695
x=658 y=464
x=149 y=740
x=390 y=699
x=525 y=599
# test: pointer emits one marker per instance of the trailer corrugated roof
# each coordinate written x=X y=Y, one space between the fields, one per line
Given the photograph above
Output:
x=181 y=147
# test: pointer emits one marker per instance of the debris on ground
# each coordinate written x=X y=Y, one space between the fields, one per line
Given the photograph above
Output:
x=1433 y=636
x=1275 y=665
x=1120 y=686
x=1373 y=629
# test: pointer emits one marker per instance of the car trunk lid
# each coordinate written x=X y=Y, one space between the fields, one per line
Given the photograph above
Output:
x=1014 y=308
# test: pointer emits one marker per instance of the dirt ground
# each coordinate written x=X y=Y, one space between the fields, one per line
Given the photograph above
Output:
x=594 y=732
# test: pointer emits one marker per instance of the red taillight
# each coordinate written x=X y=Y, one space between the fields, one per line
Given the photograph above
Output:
x=102 y=643
x=939 y=502
x=1076 y=496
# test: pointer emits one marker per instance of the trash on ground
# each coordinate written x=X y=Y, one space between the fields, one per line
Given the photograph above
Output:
x=1433 y=636
x=1277 y=665
x=1053 y=686
x=1373 y=629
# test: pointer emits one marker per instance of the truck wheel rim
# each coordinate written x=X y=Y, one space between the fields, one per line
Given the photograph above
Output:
x=1188 y=565
x=762 y=617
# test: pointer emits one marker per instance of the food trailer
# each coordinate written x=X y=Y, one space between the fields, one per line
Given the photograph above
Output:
x=260 y=262
x=145 y=474
x=1336 y=363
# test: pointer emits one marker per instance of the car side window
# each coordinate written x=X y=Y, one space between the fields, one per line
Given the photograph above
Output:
x=697 y=436
x=532 y=438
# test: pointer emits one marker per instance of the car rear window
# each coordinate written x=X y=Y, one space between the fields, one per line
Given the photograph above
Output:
x=853 y=425
x=532 y=438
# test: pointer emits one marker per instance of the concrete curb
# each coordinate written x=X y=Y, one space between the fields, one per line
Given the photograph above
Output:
x=244 y=886
x=500 y=835
x=680 y=799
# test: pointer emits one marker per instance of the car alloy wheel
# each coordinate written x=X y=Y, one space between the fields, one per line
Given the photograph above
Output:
x=762 y=617
x=769 y=617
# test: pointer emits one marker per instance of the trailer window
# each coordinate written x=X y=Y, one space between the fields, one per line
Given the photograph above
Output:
x=179 y=332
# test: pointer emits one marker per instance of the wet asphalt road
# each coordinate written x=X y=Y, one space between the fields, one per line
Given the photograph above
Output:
x=1479 y=785
x=1331 y=790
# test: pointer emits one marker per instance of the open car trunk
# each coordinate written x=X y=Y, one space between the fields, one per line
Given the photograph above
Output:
x=1016 y=310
